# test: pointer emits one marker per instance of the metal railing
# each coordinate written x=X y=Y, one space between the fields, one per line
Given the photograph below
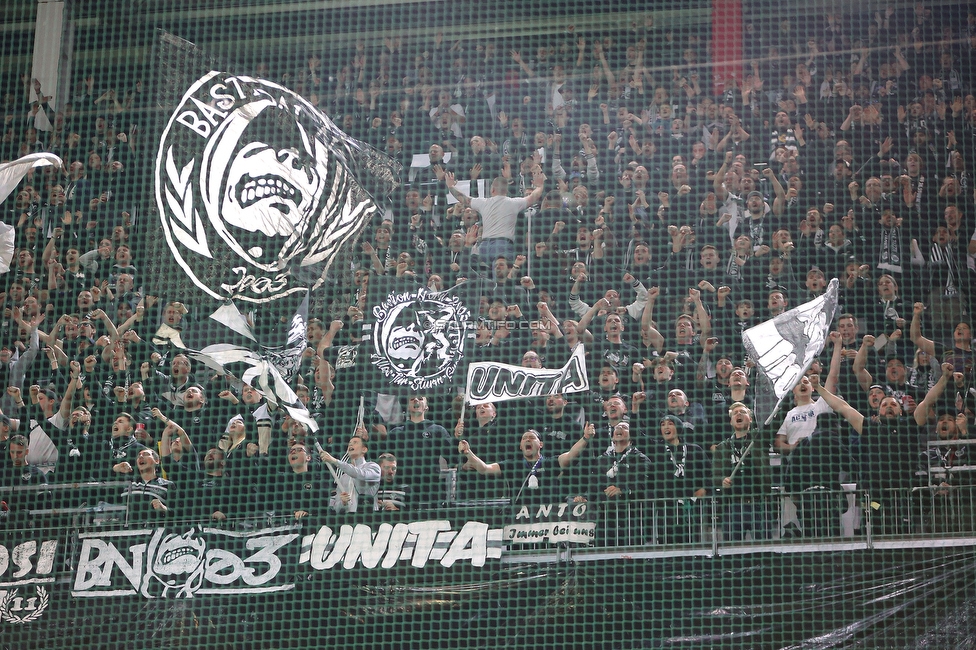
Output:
x=816 y=515
x=947 y=464
x=715 y=521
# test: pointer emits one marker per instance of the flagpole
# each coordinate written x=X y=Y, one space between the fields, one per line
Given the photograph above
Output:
x=464 y=457
x=741 y=459
x=332 y=470
x=464 y=404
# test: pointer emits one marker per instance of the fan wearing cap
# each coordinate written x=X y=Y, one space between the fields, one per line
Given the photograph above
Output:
x=816 y=281
x=534 y=477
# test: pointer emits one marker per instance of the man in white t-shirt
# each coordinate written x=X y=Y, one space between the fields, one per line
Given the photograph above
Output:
x=801 y=420
x=499 y=213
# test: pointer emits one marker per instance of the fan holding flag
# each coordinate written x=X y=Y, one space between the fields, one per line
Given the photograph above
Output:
x=783 y=349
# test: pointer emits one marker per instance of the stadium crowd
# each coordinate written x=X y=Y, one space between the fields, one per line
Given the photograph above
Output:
x=602 y=190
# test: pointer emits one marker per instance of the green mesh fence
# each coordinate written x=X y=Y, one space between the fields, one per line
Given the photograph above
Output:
x=417 y=324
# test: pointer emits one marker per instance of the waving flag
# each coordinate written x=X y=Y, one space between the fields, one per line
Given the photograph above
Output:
x=11 y=172
x=10 y=175
x=785 y=347
x=257 y=191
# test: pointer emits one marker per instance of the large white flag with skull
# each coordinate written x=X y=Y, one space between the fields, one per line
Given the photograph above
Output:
x=257 y=191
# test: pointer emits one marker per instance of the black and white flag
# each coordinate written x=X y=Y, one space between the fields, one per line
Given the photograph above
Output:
x=256 y=190
x=784 y=347
x=498 y=382
x=11 y=174
x=417 y=339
